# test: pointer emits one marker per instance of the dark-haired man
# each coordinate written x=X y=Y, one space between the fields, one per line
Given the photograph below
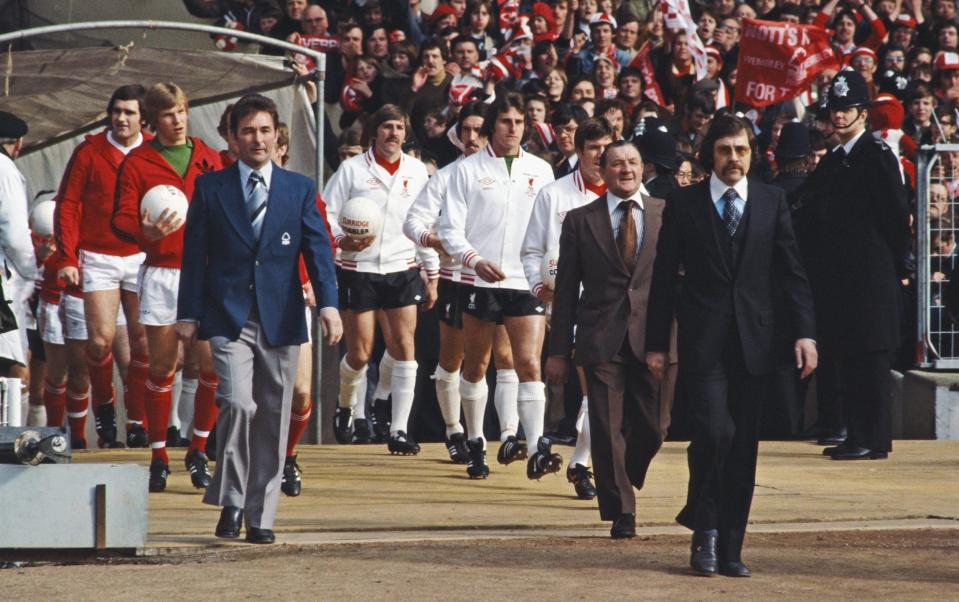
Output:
x=108 y=265
x=482 y=223
x=727 y=316
x=552 y=205
x=246 y=229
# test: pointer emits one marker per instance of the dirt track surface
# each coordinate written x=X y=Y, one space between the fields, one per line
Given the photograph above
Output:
x=877 y=565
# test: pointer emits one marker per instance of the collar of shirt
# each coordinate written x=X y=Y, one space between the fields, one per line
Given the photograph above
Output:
x=717 y=188
x=124 y=149
x=245 y=170
x=613 y=201
x=848 y=146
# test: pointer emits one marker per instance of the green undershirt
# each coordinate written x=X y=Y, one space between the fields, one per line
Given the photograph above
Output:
x=509 y=163
x=177 y=156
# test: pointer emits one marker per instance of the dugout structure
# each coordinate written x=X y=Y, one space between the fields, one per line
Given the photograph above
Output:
x=62 y=94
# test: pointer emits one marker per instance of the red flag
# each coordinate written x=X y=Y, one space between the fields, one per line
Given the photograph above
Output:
x=778 y=61
x=650 y=86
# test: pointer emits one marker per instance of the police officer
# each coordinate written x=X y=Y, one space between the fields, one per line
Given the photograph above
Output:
x=658 y=149
x=857 y=209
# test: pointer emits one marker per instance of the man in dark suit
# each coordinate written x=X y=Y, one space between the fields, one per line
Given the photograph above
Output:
x=734 y=239
x=246 y=228
x=856 y=206
x=607 y=248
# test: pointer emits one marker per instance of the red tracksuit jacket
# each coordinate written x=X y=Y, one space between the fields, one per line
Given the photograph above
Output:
x=143 y=169
x=85 y=202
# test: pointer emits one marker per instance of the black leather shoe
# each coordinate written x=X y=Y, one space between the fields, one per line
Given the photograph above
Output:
x=402 y=444
x=703 y=559
x=624 y=527
x=859 y=453
x=510 y=451
x=291 y=485
x=158 y=475
x=734 y=569
x=362 y=433
x=105 y=418
x=829 y=451
x=231 y=519
x=457 y=449
x=833 y=437
x=257 y=535
x=581 y=478
x=381 y=414
x=137 y=436
x=343 y=425
x=198 y=467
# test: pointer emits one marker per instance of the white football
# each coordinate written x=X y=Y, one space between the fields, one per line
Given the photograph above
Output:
x=164 y=197
x=549 y=268
x=41 y=218
x=361 y=218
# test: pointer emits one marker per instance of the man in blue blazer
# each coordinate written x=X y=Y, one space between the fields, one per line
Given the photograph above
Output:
x=246 y=228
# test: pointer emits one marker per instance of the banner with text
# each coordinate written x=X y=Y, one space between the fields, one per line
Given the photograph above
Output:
x=778 y=61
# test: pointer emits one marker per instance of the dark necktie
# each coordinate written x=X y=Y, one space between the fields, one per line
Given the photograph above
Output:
x=731 y=214
x=626 y=238
x=256 y=202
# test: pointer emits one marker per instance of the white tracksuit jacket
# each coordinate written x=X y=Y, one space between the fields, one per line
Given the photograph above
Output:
x=392 y=251
x=546 y=223
x=424 y=213
x=485 y=213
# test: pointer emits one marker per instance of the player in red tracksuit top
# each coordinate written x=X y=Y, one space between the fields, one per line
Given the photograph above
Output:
x=175 y=159
x=303 y=386
x=86 y=244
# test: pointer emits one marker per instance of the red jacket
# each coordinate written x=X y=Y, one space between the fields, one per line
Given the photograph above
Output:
x=143 y=169
x=85 y=202
x=321 y=206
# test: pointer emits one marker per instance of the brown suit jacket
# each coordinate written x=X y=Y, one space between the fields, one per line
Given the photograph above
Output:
x=613 y=301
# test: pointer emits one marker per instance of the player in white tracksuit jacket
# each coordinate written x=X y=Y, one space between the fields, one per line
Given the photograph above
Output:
x=482 y=222
x=17 y=259
x=420 y=226
x=552 y=204
x=381 y=274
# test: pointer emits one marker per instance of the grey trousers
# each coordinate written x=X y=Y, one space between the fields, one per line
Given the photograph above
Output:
x=255 y=395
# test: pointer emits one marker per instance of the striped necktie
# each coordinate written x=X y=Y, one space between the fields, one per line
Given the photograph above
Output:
x=256 y=196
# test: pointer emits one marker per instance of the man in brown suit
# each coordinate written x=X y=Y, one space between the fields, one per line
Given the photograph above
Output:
x=607 y=247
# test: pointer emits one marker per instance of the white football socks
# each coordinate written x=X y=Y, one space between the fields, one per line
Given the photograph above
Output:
x=349 y=383
x=402 y=389
x=473 y=398
x=504 y=399
x=531 y=403
x=384 y=385
x=581 y=451
x=448 y=396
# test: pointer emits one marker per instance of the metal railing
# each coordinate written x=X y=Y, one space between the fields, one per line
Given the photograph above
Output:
x=937 y=223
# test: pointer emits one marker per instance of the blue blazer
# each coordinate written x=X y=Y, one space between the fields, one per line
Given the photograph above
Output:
x=225 y=269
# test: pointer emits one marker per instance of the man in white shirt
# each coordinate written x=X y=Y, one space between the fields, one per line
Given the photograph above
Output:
x=483 y=222
x=381 y=273
x=542 y=240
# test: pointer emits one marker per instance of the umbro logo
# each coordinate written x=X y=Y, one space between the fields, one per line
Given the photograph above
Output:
x=539 y=310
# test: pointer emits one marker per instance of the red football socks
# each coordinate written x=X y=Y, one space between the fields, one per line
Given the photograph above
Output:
x=158 y=399
x=137 y=375
x=77 y=403
x=101 y=378
x=204 y=410
x=55 y=401
x=298 y=422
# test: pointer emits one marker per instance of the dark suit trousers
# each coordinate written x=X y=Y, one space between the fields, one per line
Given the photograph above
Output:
x=724 y=403
x=868 y=390
x=626 y=422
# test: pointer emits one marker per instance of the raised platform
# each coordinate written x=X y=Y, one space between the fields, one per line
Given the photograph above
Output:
x=362 y=494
